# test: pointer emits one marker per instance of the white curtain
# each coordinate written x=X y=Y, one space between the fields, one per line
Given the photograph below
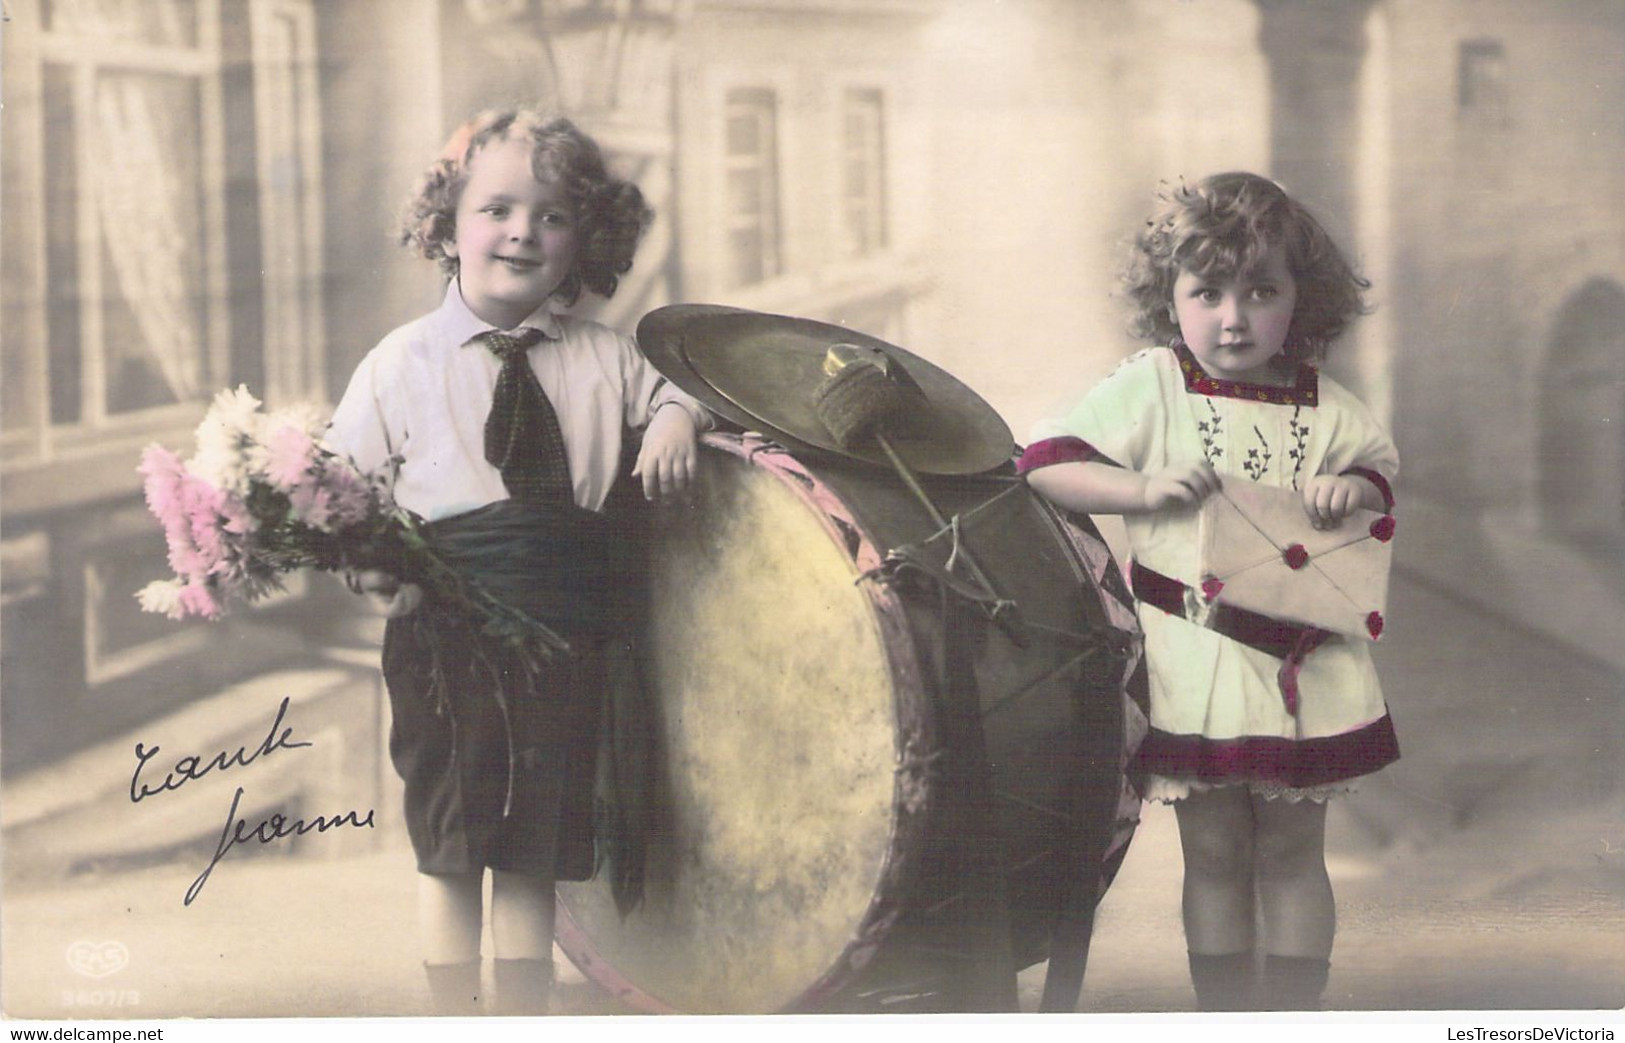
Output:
x=147 y=190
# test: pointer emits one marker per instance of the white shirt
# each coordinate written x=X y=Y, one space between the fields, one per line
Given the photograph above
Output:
x=416 y=406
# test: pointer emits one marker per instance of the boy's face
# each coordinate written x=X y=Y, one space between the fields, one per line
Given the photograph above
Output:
x=1235 y=326
x=516 y=237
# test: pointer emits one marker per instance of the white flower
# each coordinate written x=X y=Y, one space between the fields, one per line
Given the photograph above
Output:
x=236 y=411
x=162 y=595
x=302 y=415
x=225 y=440
x=224 y=466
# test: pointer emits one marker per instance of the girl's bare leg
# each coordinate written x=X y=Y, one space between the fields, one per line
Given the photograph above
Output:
x=1294 y=891
x=1295 y=897
x=1216 y=835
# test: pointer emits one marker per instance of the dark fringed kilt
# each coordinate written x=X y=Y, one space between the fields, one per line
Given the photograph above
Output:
x=454 y=759
x=506 y=790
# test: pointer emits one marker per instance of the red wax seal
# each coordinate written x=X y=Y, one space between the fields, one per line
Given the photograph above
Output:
x=1296 y=557
x=1373 y=623
x=1383 y=528
x=1211 y=587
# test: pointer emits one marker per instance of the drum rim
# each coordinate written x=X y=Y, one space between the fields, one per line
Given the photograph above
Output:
x=913 y=794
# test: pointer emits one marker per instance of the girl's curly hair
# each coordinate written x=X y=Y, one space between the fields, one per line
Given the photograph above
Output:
x=610 y=213
x=1221 y=227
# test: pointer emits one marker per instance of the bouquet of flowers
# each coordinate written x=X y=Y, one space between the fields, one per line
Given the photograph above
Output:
x=263 y=497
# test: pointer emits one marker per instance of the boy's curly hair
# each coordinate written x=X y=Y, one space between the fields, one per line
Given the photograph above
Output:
x=1221 y=227
x=610 y=213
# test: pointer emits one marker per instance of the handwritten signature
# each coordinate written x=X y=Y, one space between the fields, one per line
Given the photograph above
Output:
x=274 y=828
x=237 y=831
x=188 y=769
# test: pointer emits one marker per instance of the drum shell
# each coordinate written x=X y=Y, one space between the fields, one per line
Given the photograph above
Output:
x=1055 y=713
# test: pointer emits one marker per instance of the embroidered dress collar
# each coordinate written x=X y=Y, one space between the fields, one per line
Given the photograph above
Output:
x=458 y=324
x=1306 y=392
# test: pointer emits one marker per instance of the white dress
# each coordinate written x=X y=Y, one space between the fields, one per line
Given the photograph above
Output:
x=1217 y=712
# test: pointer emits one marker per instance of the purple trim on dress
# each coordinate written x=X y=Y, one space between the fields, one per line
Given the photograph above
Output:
x=1378 y=480
x=1298 y=763
x=1062 y=450
x=1306 y=392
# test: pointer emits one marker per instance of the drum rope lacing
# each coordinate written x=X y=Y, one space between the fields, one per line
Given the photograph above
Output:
x=977 y=588
x=1102 y=639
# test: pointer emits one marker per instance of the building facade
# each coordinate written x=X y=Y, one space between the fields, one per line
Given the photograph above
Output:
x=201 y=193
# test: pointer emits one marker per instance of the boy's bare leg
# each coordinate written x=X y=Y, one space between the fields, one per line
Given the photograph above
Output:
x=449 y=922
x=522 y=912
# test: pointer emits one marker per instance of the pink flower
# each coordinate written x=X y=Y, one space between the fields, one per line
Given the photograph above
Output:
x=198 y=600
x=165 y=473
x=292 y=453
x=312 y=505
x=183 y=557
x=351 y=495
x=202 y=502
x=236 y=518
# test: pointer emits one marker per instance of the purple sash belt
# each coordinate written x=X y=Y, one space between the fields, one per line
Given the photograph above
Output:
x=1289 y=642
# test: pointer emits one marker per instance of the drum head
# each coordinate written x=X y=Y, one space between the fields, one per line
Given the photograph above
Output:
x=777 y=727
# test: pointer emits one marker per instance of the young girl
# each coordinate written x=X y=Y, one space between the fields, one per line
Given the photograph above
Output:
x=499 y=421
x=1247 y=291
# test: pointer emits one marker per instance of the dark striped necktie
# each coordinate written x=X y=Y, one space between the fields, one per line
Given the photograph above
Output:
x=522 y=435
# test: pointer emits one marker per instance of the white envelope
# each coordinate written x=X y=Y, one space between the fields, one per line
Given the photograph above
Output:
x=1260 y=552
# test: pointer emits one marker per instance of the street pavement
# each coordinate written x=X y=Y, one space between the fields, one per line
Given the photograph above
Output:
x=1485 y=871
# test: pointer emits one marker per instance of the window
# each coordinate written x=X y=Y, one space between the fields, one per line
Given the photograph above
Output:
x=751 y=186
x=172 y=158
x=287 y=179
x=132 y=221
x=1481 y=82
x=863 y=172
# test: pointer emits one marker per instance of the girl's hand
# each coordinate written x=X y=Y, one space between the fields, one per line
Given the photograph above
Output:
x=666 y=461
x=387 y=595
x=1182 y=485
x=1329 y=498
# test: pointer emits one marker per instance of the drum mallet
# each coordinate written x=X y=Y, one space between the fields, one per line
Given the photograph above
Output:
x=862 y=390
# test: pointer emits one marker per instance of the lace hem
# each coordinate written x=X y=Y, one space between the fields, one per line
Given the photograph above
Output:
x=1163 y=789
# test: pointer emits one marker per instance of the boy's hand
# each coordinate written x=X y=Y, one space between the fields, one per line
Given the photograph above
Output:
x=666 y=462
x=1182 y=485
x=1329 y=498
x=388 y=596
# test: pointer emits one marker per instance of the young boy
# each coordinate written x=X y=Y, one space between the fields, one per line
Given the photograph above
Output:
x=495 y=415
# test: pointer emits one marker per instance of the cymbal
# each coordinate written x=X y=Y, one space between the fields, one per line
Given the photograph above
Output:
x=762 y=372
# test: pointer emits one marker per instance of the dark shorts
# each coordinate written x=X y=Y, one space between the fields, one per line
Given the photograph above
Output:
x=482 y=791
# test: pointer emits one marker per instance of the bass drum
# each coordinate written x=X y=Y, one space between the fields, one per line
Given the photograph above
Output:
x=808 y=835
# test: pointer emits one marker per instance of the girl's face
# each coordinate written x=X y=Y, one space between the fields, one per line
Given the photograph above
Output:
x=516 y=236
x=1235 y=326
